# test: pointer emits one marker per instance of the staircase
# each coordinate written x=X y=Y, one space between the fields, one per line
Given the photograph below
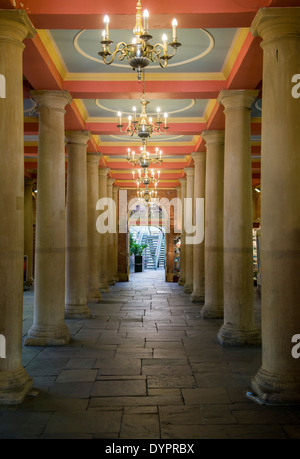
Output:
x=155 y=251
x=161 y=259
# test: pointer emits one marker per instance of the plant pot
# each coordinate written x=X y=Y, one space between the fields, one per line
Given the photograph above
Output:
x=138 y=263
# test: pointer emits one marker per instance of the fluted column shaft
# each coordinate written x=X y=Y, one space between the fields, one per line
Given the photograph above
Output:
x=14 y=380
x=278 y=380
x=188 y=286
x=93 y=293
x=214 y=195
x=103 y=237
x=238 y=327
x=197 y=295
x=76 y=226
x=49 y=297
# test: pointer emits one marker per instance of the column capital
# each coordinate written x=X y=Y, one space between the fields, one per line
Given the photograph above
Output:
x=198 y=156
x=182 y=181
x=234 y=99
x=29 y=182
x=212 y=137
x=189 y=171
x=276 y=23
x=110 y=181
x=57 y=99
x=93 y=157
x=103 y=171
x=15 y=25
x=78 y=137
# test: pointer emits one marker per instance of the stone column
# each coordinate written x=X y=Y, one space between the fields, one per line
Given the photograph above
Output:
x=14 y=380
x=110 y=240
x=49 y=294
x=182 y=278
x=76 y=227
x=188 y=286
x=238 y=327
x=197 y=295
x=213 y=247
x=93 y=293
x=278 y=380
x=103 y=239
x=116 y=235
x=28 y=230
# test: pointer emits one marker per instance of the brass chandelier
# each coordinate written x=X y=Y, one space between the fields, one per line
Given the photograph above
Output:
x=149 y=196
x=144 y=127
x=144 y=159
x=140 y=52
x=145 y=178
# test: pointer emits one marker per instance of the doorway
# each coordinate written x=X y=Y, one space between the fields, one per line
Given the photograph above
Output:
x=147 y=228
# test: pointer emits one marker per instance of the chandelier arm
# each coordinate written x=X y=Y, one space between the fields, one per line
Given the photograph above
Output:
x=155 y=55
x=120 y=48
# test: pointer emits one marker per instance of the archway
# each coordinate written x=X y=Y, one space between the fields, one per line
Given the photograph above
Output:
x=148 y=224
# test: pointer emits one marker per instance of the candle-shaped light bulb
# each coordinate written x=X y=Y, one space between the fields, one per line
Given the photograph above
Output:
x=106 y=22
x=129 y=120
x=128 y=151
x=120 y=117
x=152 y=172
x=160 y=153
x=134 y=113
x=150 y=120
x=165 y=39
x=174 y=25
x=133 y=174
x=146 y=17
x=158 y=113
x=158 y=172
x=166 y=117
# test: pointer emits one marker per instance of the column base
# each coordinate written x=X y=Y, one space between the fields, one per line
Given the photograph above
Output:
x=52 y=335
x=14 y=386
x=188 y=288
x=73 y=311
x=209 y=312
x=29 y=282
x=234 y=337
x=94 y=296
x=104 y=287
x=197 y=297
x=275 y=389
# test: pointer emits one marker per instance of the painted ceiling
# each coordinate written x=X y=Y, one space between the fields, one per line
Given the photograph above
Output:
x=218 y=52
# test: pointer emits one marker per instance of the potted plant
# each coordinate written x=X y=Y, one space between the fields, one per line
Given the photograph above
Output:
x=136 y=250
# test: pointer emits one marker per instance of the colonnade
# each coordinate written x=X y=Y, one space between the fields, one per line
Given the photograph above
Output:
x=228 y=251
x=217 y=271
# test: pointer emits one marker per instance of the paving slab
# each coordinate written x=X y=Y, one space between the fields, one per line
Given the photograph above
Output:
x=145 y=365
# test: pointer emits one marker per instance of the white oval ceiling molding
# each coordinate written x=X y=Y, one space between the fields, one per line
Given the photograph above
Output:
x=258 y=105
x=187 y=61
x=160 y=138
x=149 y=114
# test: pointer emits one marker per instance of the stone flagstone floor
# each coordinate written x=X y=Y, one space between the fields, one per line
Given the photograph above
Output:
x=144 y=366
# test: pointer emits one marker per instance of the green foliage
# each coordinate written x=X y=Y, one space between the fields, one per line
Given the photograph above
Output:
x=135 y=248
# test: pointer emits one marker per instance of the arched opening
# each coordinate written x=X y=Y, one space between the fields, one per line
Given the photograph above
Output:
x=148 y=238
